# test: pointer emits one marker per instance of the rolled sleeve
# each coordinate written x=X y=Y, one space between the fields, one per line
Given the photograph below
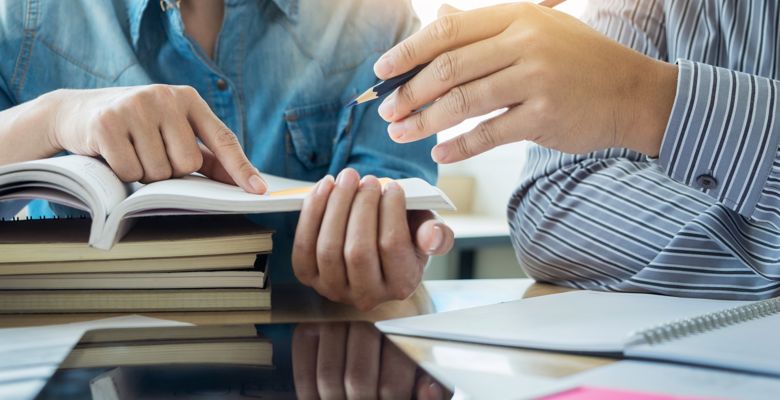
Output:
x=721 y=137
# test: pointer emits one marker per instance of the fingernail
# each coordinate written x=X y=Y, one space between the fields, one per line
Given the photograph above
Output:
x=323 y=186
x=439 y=154
x=257 y=184
x=438 y=240
x=397 y=130
x=387 y=108
x=435 y=391
x=368 y=180
x=383 y=67
x=391 y=186
x=346 y=178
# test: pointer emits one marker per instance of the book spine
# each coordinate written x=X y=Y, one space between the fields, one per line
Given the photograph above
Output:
x=705 y=323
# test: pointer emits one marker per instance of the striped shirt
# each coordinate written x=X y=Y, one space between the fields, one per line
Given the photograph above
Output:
x=701 y=220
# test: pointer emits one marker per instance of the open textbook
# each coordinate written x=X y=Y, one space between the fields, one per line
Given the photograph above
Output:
x=87 y=184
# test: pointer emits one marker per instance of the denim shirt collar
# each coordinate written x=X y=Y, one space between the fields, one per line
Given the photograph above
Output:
x=136 y=9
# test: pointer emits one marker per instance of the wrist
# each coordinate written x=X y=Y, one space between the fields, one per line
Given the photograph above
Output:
x=656 y=99
x=45 y=110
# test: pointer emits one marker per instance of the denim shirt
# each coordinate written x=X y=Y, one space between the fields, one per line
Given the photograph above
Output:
x=281 y=74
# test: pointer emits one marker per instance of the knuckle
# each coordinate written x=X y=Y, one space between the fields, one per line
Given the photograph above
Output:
x=107 y=120
x=188 y=163
x=356 y=254
x=158 y=174
x=187 y=94
x=365 y=302
x=402 y=290
x=187 y=91
x=329 y=255
x=129 y=173
x=355 y=384
x=420 y=122
x=407 y=95
x=457 y=101
x=303 y=273
x=390 y=243
x=446 y=67
x=331 y=293
x=134 y=104
x=407 y=50
x=225 y=138
x=162 y=93
x=486 y=134
x=445 y=28
x=464 y=148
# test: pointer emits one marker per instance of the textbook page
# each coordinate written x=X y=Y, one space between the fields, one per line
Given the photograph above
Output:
x=196 y=194
x=76 y=178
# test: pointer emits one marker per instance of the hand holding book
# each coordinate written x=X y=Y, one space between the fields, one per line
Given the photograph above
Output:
x=356 y=242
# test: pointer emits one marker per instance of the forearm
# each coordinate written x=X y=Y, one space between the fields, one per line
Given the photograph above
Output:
x=25 y=131
x=614 y=221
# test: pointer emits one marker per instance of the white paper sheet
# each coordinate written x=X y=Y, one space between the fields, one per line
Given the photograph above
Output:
x=29 y=356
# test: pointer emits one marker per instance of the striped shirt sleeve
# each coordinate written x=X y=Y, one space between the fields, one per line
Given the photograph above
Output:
x=619 y=221
x=722 y=138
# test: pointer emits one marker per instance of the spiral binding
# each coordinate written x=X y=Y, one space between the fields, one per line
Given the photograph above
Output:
x=28 y=218
x=705 y=323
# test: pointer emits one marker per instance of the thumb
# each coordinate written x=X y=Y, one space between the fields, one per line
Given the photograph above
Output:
x=433 y=237
x=447 y=9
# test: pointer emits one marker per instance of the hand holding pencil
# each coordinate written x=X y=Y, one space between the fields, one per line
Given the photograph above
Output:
x=563 y=84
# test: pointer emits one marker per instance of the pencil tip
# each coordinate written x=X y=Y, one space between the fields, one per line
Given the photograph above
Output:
x=351 y=104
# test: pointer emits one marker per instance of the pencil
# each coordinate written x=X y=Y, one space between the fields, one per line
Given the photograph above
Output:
x=383 y=88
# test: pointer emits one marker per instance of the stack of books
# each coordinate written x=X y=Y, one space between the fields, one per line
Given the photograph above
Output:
x=165 y=246
x=162 y=264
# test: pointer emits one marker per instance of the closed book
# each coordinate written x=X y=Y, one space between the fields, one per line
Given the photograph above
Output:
x=138 y=300
x=159 y=280
x=38 y=241
x=169 y=264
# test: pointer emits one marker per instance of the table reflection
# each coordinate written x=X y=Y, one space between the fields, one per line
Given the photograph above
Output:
x=342 y=360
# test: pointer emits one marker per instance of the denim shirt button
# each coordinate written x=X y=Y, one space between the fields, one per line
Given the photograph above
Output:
x=706 y=181
x=222 y=85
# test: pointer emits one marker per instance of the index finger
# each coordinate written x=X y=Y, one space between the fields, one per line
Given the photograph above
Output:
x=446 y=33
x=224 y=144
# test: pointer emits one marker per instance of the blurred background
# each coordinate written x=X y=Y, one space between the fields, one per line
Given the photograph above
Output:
x=481 y=186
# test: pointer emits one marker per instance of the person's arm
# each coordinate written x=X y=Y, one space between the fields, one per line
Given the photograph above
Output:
x=617 y=220
x=8 y=209
x=145 y=133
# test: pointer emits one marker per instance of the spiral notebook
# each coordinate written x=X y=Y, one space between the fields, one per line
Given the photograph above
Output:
x=716 y=333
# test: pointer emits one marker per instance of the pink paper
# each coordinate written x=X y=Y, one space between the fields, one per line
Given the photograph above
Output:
x=593 y=393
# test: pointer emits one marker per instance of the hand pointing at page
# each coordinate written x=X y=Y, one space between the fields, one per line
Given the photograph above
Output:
x=145 y=133
x=563 y=85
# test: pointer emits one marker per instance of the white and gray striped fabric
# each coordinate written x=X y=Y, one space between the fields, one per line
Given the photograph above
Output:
x=702 y=220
